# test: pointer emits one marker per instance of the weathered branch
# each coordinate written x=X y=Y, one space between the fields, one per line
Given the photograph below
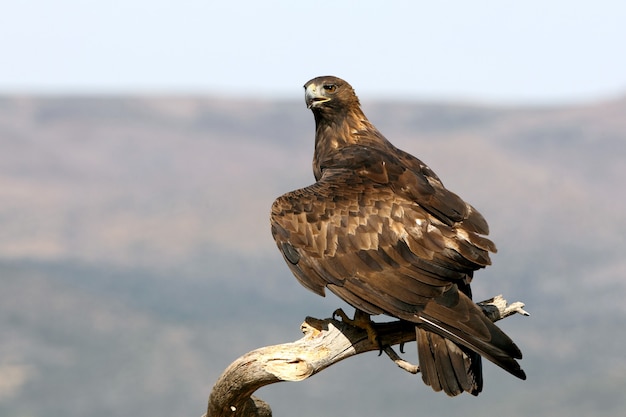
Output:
x=325 y=343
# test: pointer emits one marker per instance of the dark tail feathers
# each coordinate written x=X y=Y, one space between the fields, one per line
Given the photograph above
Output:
x=452 y=336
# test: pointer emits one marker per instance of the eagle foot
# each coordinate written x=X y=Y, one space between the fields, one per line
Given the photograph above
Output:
x=362 y=321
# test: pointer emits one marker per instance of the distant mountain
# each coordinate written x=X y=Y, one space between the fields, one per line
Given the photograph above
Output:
x=136 y=260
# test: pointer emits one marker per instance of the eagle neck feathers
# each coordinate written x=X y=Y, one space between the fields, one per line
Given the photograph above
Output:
x=350 y=127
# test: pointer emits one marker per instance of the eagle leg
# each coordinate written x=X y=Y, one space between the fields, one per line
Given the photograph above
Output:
x=361 y=320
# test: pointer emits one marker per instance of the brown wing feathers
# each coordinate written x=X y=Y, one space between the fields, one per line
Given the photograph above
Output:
x=380 y=230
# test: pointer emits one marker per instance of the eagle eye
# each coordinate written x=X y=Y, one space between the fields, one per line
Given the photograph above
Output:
x=330 y=87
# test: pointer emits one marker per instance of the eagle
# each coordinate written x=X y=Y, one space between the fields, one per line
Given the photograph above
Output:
x=379 y=229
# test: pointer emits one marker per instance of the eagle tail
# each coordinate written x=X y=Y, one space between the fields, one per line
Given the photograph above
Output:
x=452 y=336
x=447 y=366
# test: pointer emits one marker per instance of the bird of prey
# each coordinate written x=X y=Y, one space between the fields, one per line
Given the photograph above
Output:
x=379 y=229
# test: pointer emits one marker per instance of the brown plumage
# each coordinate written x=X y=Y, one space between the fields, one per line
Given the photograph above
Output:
x=380 y=230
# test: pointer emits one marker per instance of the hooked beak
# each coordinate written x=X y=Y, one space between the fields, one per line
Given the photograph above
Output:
x=313 y=96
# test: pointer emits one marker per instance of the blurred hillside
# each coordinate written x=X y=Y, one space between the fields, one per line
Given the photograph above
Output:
x=136 y=260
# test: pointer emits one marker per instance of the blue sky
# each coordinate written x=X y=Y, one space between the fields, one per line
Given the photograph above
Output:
x=496 y=51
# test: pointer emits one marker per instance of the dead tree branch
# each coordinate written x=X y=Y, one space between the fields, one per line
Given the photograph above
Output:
x=325 y=343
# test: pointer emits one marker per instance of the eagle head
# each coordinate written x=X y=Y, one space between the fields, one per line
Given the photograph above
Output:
x=329 y=92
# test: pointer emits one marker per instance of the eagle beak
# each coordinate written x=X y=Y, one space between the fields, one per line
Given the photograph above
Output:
x=313 y=96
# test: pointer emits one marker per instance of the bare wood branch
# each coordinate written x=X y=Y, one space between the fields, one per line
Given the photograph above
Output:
x=325 y=343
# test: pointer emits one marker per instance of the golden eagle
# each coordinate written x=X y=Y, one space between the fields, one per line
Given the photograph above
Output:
x=379 y=229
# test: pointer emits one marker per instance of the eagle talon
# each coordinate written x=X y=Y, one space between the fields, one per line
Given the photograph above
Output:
x=362 y=321
x=339 y=313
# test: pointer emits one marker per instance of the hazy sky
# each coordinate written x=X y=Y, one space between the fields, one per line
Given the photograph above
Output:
x=505 y=51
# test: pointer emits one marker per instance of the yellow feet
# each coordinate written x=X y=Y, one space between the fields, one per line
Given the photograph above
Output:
x=362 y=321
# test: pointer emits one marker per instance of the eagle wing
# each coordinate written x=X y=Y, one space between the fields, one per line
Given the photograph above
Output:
x=353 y=239
x=385 y=236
